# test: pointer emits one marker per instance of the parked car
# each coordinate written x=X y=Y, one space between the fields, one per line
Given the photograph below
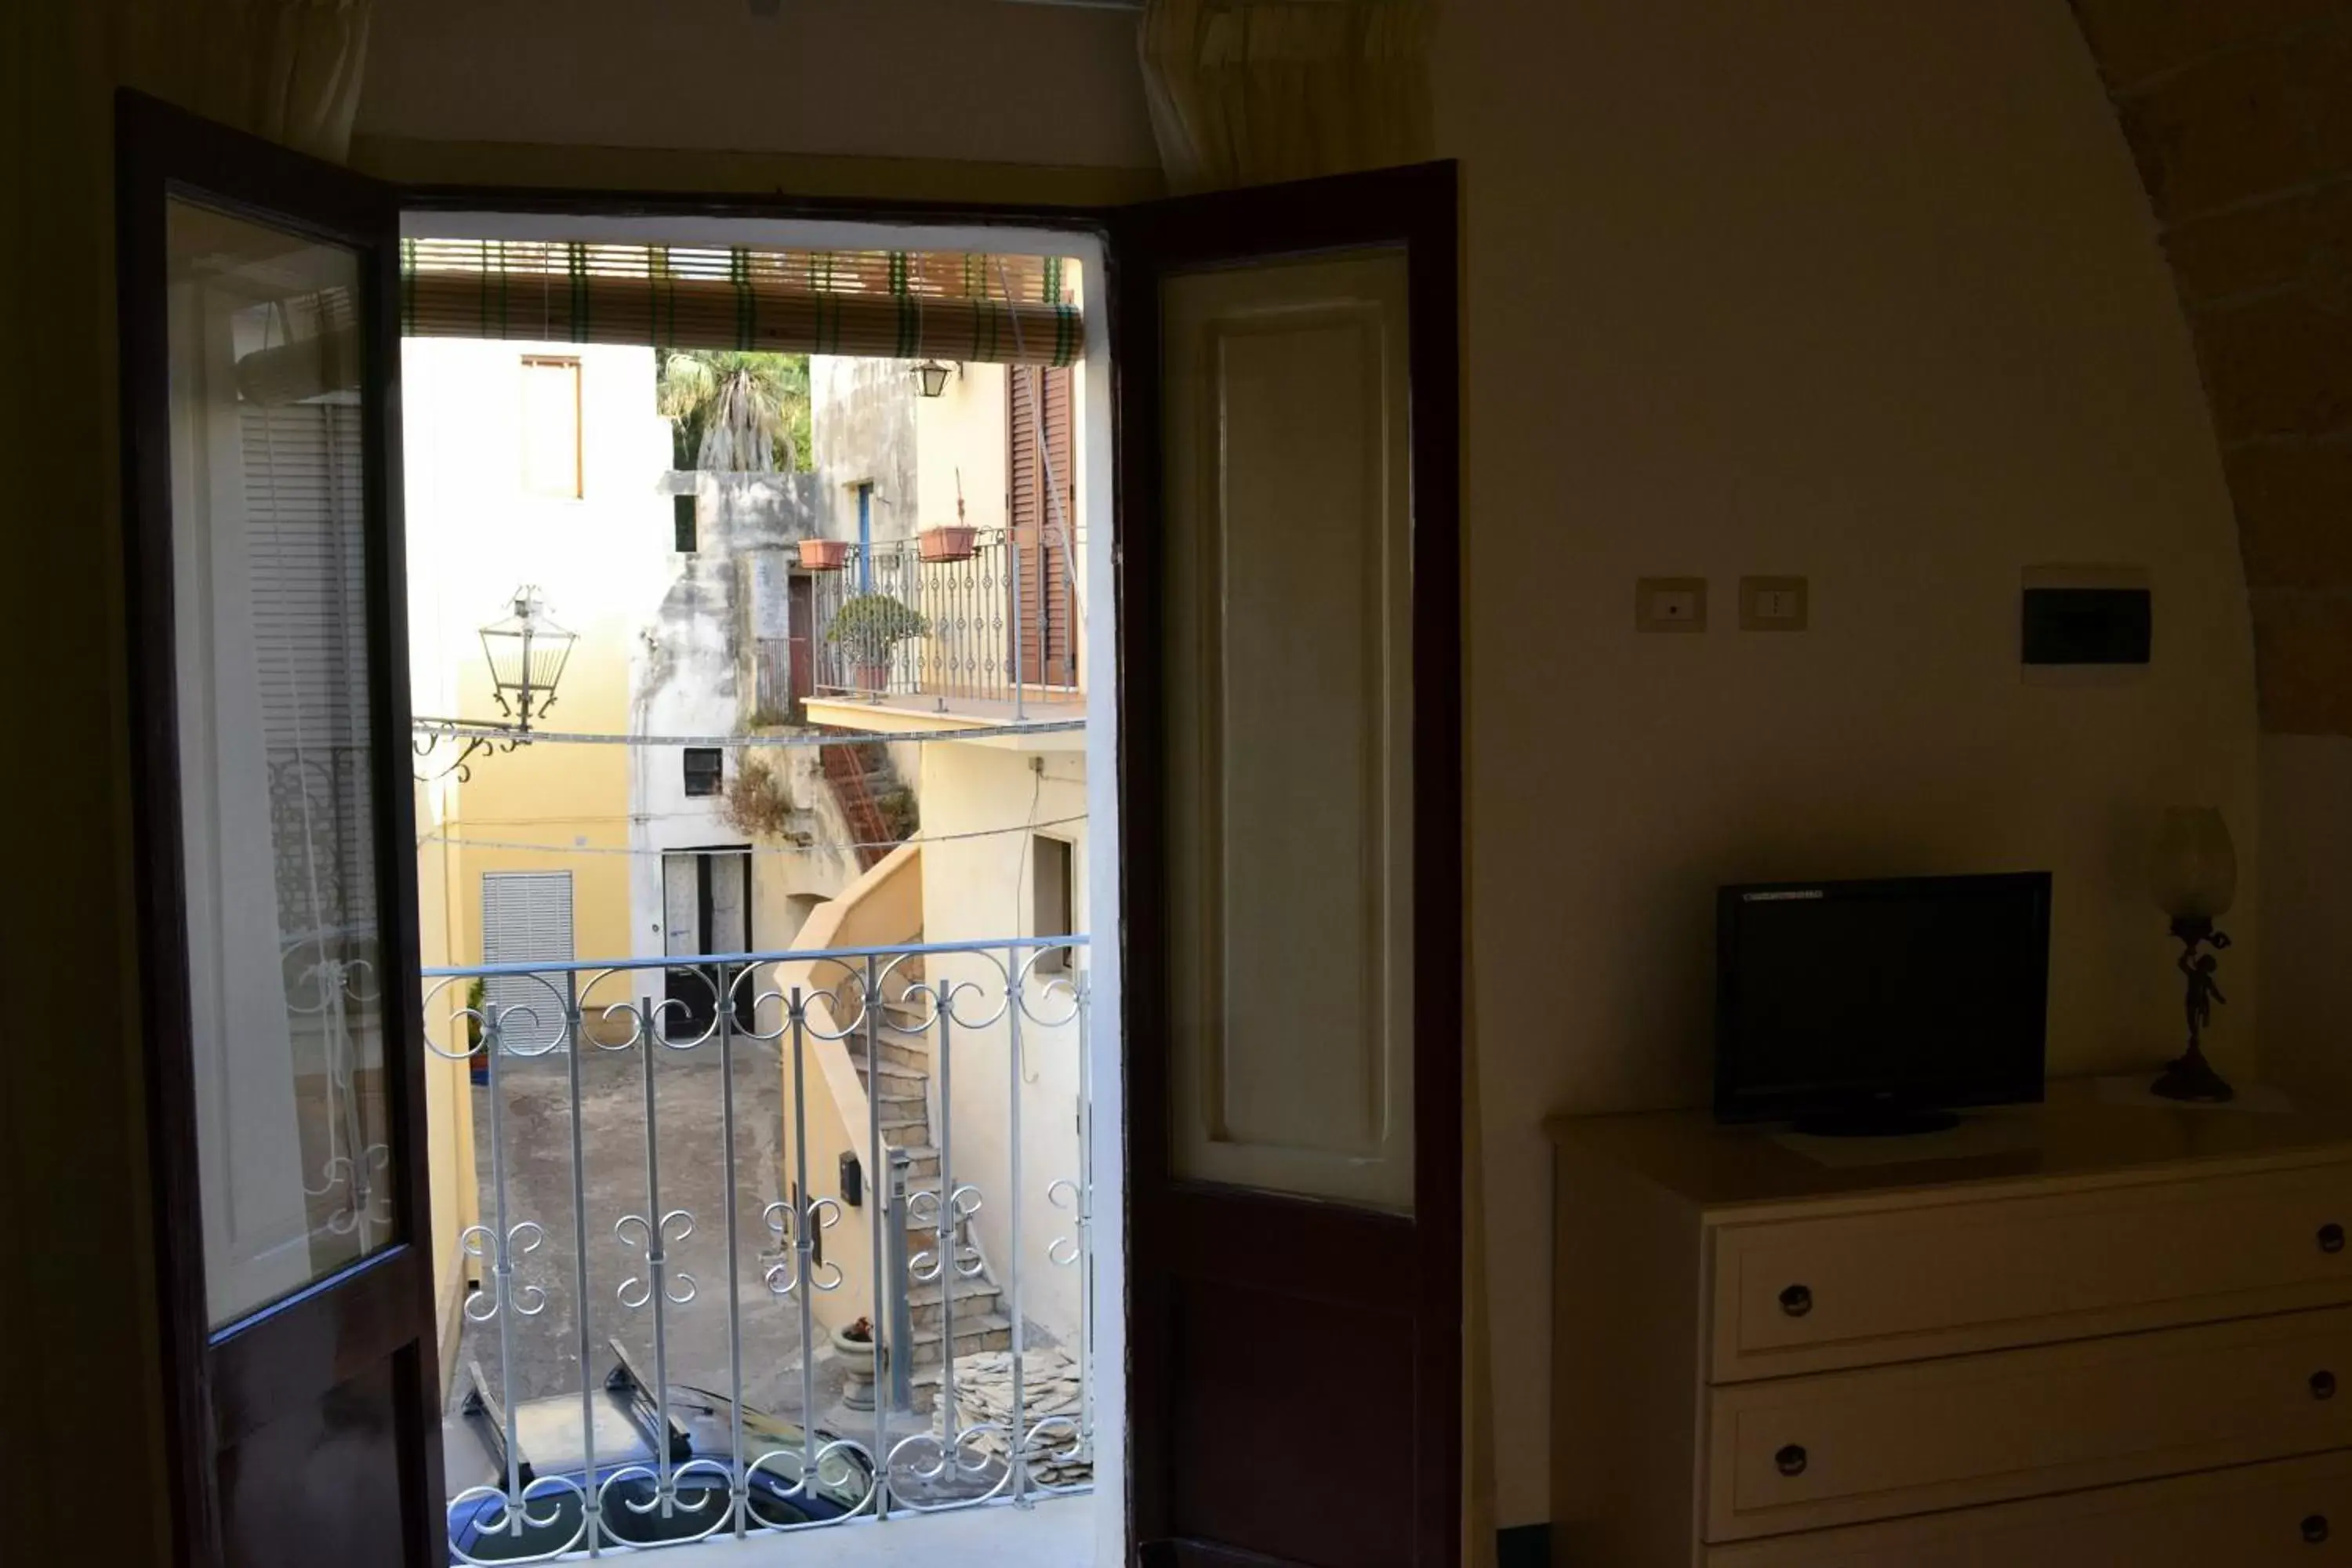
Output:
x=549 y=1443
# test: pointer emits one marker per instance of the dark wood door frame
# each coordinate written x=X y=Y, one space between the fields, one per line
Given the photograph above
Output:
x=1311 y=1253
x=1415 y=207
x=222 y=1386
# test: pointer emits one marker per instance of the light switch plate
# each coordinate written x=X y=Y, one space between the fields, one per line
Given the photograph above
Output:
x=1670 y=603
x=1774 y=604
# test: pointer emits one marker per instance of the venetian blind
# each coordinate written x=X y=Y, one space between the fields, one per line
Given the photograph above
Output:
x=888 y=304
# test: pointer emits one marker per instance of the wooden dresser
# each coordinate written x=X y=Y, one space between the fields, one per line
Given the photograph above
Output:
x=2109 y=1334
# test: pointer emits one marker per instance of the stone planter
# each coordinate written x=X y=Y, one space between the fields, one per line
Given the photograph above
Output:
x=954 y=542
x=857 y=1370
x=825 y=554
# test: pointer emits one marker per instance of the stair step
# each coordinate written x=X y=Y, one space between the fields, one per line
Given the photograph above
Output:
x=913 y=1059
x=989 y=1332
x=904 y=1123
x=975 y=1299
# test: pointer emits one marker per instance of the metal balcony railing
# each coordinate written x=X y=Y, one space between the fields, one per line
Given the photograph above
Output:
x=617 y=1103
x=1002 y=624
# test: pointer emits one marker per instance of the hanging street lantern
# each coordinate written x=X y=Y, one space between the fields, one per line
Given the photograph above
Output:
x=526 y=652
x=933 y=376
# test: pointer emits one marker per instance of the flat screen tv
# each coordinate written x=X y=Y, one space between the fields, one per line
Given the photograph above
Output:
x=1879 y=1006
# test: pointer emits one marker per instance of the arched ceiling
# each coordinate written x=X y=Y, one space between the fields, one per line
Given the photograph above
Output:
x=2239 y=113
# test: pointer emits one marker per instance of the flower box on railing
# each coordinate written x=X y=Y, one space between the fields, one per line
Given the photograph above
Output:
x=950 y=542
x=825 y=554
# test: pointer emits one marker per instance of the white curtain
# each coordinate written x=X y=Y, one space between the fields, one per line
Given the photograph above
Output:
x=1246 y=92
x=286 y=70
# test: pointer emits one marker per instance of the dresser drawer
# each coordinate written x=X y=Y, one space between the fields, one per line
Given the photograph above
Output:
x=1810 y=1453
x=1898 y=1284
x=2290 y=1514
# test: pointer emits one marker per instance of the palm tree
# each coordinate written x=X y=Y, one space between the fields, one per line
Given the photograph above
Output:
x=735 y=412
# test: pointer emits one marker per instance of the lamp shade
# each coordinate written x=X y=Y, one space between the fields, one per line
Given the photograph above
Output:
x=2193 y=868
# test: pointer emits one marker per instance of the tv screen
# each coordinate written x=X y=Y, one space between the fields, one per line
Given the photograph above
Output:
x=1843 y=999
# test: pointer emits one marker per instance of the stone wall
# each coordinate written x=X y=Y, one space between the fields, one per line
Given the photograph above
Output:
x=2239 y=113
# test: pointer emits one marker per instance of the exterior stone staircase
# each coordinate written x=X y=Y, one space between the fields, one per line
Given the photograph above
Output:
x=899 y=1084
x=859 y=775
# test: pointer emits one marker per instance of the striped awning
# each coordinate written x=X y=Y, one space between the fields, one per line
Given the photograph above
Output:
x=886 y=304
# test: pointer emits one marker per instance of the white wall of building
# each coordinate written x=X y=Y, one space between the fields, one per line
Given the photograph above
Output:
x=973 y=889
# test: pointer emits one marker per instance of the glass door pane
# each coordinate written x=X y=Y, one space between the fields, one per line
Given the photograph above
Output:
x=277 y=798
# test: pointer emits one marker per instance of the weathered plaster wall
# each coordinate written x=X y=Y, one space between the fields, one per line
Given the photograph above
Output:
x=862 y=431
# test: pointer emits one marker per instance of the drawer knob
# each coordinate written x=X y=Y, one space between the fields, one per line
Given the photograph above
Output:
x=1797 y=1300
x=2331 y=1237
x=2322 y=1384
x=1790 y=1460
x=2315 y=1528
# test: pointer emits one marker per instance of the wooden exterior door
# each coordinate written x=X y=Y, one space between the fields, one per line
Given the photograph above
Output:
x=277 y=870
x=1289 y=640
x=1040 y=507
x=802 y=641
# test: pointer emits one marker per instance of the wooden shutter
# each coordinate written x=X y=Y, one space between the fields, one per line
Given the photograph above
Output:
x=1043 y=546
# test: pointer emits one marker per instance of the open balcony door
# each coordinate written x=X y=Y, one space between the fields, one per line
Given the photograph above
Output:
x=1289 y=646
x=275 y=823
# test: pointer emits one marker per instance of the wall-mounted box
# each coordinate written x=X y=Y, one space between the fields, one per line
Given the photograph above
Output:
x=2086 y=615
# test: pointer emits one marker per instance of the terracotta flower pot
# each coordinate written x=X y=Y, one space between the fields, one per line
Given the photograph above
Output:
x=825 y=554
x=952 y=542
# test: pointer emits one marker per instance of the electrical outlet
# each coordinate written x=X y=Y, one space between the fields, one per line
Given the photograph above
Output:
x=1670 y=603
x=1774 y=603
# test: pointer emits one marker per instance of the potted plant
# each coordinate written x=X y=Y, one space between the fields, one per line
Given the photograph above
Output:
x=958 y=543
x=825 y=554
x=868 y=627
x=855 y=1345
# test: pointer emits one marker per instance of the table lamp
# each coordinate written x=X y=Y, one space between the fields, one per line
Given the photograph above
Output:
x=2193 y=874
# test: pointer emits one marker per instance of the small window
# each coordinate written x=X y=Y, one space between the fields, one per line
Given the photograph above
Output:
x=682 y=524
x=551 y=427
x=702 y=770
x=1055 y=909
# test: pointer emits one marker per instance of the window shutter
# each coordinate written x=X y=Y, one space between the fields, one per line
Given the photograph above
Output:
x=1043 y=543
x=527 y=919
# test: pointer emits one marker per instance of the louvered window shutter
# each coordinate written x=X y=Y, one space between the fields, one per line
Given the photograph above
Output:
x=1043 y=543
x=527 y=919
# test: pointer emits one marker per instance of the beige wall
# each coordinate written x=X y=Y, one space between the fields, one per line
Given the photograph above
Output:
x=1867 y=292
x=2307 y=912
x=1860 y=290
x=868 y=79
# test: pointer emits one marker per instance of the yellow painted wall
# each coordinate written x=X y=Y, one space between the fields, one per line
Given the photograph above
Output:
x=476 y=537
x=448 y=1102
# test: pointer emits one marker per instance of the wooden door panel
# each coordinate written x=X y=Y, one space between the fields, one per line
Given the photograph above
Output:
x=306 y=1488
x=1291 y=845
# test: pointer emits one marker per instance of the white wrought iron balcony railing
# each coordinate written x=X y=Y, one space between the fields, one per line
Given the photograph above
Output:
x=610 y=1398
x=992 y=615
